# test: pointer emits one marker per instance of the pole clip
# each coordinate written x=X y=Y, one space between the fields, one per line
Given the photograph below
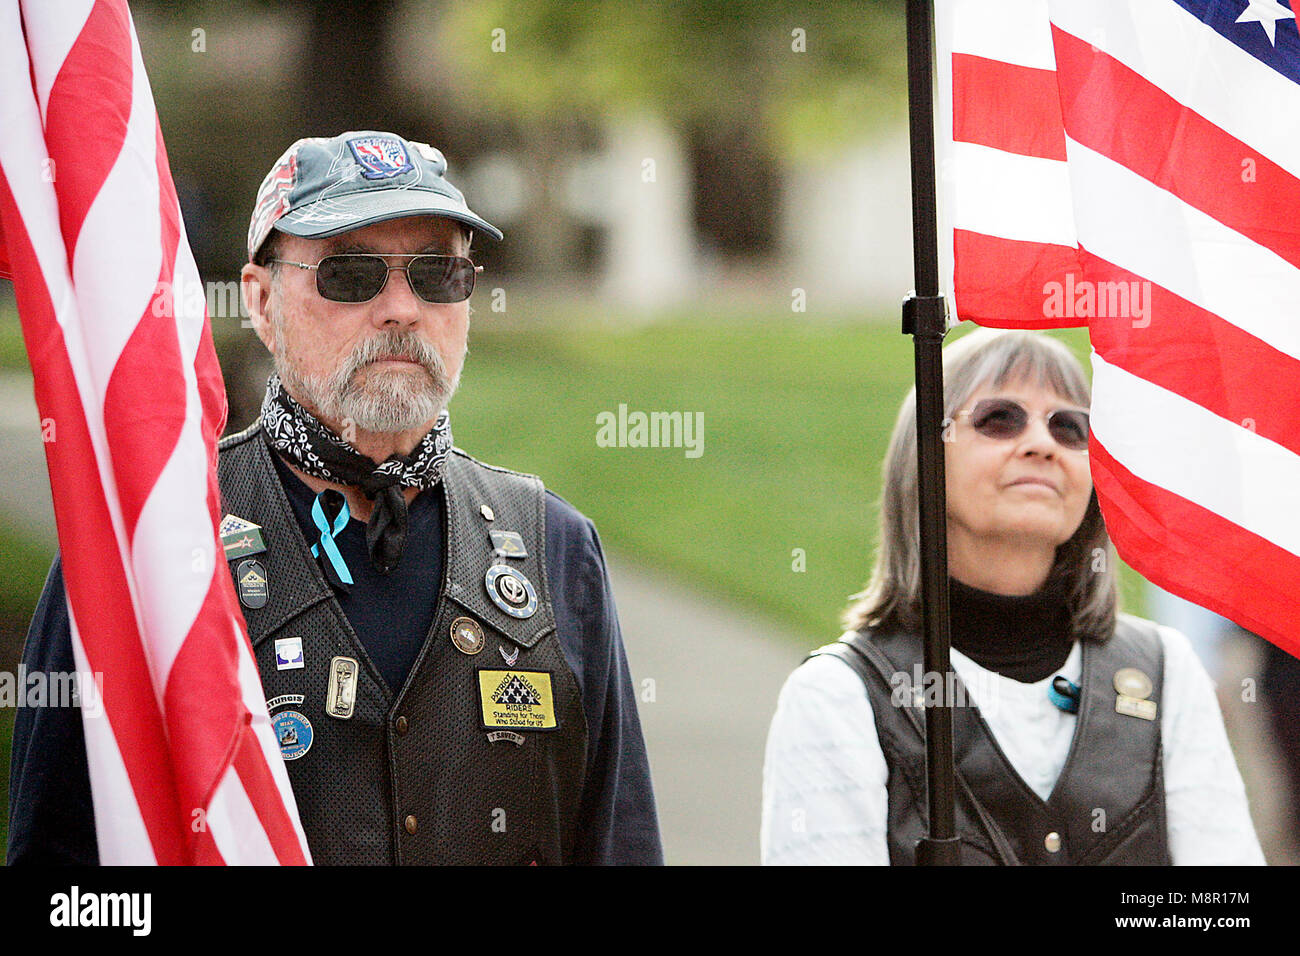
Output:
x=925 y=315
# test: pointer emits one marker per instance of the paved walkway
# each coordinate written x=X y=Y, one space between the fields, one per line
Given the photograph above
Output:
x=24 y=485
x=716 y=672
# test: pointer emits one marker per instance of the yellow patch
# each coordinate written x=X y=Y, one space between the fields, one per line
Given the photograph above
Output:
x=519 y=700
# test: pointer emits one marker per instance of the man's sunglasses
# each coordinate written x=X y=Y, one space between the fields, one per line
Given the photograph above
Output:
x=359 y=277
x=1003 y=418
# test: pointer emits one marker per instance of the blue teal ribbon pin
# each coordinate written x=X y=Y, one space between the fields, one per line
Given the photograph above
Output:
x=1064 y=694
x=326 y=542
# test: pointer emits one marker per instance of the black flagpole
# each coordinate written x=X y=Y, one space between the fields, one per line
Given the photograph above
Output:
x=924 y=320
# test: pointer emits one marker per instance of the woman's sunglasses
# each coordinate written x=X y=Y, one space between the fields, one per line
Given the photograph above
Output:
x=1003 y=418
x=359 y=277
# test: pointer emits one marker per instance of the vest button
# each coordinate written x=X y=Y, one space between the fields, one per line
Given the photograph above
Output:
x=410 y=823
x=403 y=725
x=1053 y=842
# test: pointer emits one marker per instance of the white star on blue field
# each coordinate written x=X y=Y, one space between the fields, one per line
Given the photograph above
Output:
x=1266 y=13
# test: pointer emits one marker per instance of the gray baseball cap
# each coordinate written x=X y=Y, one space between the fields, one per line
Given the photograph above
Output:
x=322 y=187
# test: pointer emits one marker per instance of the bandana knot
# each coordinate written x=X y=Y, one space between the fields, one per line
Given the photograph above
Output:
x=303 y=441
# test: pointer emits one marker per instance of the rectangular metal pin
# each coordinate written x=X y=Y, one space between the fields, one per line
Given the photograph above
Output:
x=341 y=696
x=1135 y=707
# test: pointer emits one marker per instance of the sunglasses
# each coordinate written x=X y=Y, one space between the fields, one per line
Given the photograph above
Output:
x=359 y=277
x=1003 y=418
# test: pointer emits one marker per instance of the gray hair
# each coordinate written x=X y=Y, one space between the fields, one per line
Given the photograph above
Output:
x=1085 y=564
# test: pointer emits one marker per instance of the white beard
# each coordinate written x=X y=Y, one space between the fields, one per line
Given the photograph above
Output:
x=367 y=397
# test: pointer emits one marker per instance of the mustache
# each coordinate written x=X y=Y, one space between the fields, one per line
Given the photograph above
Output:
x=403 y=345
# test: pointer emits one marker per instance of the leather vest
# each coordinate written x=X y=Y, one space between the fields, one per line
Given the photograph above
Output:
x=1108 y=805
x=424 y=773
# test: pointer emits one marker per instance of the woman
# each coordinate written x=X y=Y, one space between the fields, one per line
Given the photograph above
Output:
x=1082 y=736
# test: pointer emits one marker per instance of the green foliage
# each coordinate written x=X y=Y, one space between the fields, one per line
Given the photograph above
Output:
x=694 y=62
x=23 y=566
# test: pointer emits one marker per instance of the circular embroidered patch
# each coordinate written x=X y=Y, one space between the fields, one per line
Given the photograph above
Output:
x=294 y=733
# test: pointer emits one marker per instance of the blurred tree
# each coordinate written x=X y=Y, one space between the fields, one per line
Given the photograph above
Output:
x=347 y=78
x=751 y=87
x=814 y=74
x=343 y=77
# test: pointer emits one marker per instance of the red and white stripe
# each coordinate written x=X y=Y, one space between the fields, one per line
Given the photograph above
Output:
x=1006 y=188
x=1130 y=142
x=184 y=765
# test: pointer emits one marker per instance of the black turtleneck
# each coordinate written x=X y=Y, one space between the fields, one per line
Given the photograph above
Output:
x=1025 y=638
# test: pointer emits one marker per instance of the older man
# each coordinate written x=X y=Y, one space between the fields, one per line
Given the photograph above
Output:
x=436 y=637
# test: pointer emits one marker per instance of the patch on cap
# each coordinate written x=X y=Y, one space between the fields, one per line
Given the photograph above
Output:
x=273 y=198
x=432 y=155
x=380 y=157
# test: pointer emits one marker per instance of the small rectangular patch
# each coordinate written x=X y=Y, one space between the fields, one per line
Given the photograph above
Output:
x=240 y=537
x=1134 y=707
x=516 y=700
x=288 y=653
x=380 y=157
x=508 y=544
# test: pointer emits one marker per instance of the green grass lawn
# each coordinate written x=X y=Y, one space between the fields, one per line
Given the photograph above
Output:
x=13 y=354
x=796 y=419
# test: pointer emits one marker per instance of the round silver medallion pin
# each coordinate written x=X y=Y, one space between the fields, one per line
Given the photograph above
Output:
x=511 y=591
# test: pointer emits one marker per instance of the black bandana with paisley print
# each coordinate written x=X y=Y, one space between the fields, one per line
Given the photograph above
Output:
x=305 y=443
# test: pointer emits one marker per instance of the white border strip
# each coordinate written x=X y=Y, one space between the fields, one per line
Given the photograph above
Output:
x=1177 y=445
x=1013 y=31
x=1128 y=221
x=1015 y=197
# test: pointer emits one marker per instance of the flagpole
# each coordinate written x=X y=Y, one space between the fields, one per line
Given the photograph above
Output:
x=925 y=321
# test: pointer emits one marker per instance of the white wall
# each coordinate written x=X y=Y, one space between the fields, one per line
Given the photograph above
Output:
x=847 y=225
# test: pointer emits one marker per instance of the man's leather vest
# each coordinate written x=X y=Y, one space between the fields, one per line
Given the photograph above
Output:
x=423 y=773
x=1108 y=805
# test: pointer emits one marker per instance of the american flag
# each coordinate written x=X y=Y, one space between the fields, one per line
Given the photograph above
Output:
x=1132 y=167
x=184 y=766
